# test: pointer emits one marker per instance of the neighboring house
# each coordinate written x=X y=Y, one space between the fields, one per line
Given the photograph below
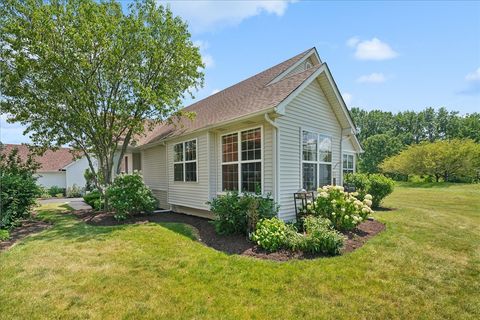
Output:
x=282 y=130
x=57 y=168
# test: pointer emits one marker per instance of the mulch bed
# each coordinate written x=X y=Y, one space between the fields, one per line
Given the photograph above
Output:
x=27 y=227
x=232 y=244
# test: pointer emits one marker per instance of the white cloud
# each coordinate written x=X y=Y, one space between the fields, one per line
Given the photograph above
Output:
x=215 y=91
x=372 y=78
x=207 y=58
x=208 y=15
x=347 y=97
x=374 y=49
x=473 y=76
x=353 y=41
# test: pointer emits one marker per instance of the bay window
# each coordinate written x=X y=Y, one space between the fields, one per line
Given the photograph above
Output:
x=185 y=161
x=242 y=161
x=316 y=160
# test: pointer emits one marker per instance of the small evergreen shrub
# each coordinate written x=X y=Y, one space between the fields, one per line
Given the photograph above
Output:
x=55 y=190
x=74 y=191
x=341 y=208
x=128 y=195
x=235 y=213
x=377 y=185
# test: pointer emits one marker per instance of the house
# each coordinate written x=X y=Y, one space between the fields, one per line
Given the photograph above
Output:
x=282 y=130
x=57 y=168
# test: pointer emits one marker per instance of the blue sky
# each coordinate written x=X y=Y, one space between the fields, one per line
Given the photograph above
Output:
x=383 y=55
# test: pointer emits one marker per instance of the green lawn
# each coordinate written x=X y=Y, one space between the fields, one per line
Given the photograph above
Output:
x=426 y=265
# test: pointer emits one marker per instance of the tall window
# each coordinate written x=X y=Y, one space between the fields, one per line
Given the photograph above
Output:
x=316 y=160
x=185 y=161
x=242 y=161
x=348 y=163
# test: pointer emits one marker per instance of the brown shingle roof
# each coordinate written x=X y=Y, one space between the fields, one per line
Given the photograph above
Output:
x=50 y=161
x=246 y=97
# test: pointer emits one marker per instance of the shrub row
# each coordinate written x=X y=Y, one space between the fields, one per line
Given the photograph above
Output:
x=318 y=236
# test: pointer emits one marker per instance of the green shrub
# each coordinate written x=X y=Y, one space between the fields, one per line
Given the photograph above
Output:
x=4 y=234
x=18 y=188
x=91 y=197
x=320 y=237
x=128 y=195
x=343 y=210
x=74 y=191
x=380 y=188
x=43 y=193
x=270 y=234
x=235 y=213
x=59 y=195
x=377 y=185
x=55 y=190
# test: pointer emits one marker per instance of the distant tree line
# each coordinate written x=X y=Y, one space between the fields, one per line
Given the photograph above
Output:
x=385 y=134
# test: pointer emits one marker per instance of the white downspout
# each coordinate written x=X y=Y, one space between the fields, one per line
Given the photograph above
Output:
x=277 y=155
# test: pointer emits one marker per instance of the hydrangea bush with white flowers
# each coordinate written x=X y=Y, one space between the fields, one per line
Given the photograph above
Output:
x=343 y=209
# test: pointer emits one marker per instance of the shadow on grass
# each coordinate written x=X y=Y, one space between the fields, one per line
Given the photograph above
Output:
x=68 y=227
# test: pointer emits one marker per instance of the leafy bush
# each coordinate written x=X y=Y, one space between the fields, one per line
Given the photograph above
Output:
x=377 y=185
x=270 y=234
x=74 y=191
x=237 y=213
x=91 y=197
x=43 y=193
x=343 y=210
x=18 y=187
x=54 y=190
x=320 y=237
x=128 y=195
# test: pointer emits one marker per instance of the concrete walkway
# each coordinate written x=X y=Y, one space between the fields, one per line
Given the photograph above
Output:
x=75 y=203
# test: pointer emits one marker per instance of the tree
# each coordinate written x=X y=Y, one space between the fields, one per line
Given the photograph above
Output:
x=448 y=159
x=378 y=148
x=90 y=75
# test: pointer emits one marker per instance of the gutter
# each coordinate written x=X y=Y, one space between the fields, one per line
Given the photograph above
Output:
x=276 y=163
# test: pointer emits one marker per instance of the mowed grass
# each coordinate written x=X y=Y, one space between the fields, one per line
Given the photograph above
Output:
x=426 y=265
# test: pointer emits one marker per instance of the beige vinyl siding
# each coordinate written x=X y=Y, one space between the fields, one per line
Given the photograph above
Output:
x=154 y=168
x=267 y=155
x=348 y=145
x=311 y=111
x=162 y=197
x=190 y=194
x=299 y=68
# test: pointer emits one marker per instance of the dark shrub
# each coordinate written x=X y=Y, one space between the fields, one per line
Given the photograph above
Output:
x=91 y=197
x=376 y=185
x=128 y=195
x=237 y=213
x=18 y=188
x=53 y=191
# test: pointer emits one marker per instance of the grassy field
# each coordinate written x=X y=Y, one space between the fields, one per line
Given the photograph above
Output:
x=426 y=265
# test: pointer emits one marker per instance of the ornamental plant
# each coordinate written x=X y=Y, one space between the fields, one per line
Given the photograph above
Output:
x=343 y=209
x=128 y=195
x=270 y=234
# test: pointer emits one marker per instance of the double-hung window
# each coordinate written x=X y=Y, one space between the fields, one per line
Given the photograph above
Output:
x=242 y=161
x=185 y=161
x=348 y=163
x=316 y=160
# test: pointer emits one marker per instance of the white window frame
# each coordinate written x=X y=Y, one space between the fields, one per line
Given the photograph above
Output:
x=318 y=162
x=239 y=157
x=184 y=161
x=347 y=153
